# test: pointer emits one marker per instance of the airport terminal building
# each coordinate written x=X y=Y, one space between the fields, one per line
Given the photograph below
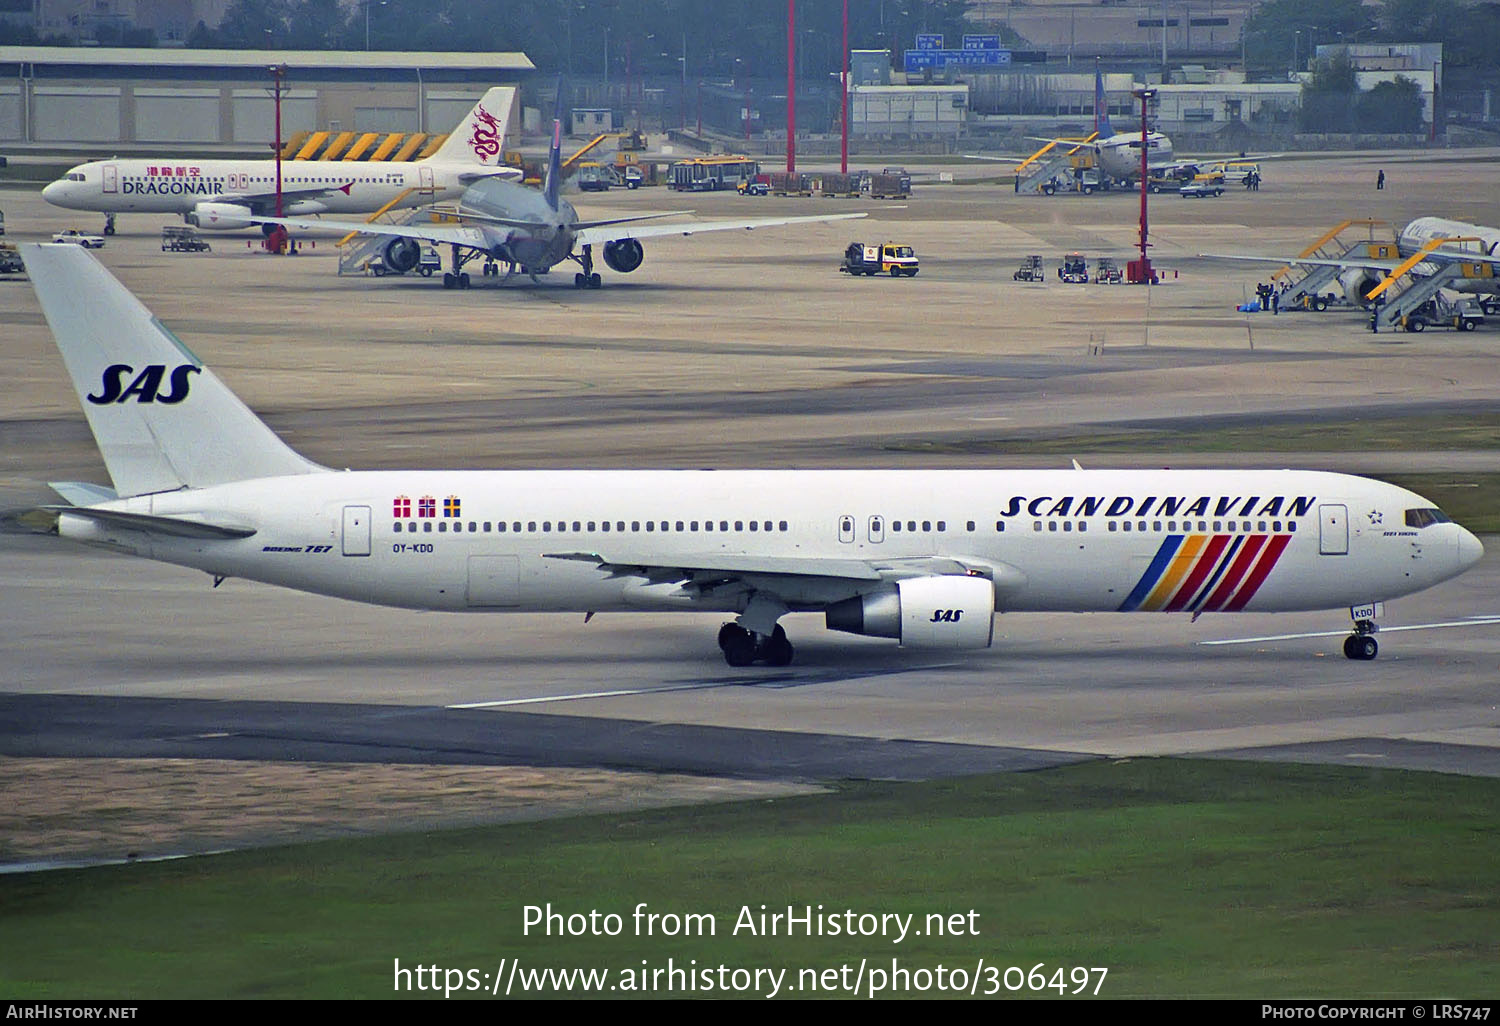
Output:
x=127 y=98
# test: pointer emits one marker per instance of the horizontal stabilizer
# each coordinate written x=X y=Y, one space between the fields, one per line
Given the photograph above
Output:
x=81 y=493
x=175 y=527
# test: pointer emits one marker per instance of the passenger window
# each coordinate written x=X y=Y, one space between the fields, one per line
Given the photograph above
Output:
x=1068 y=526
x=739 y=525
x=784 y=526
x=896 y=526
x=1052 y=525
x=650 y=525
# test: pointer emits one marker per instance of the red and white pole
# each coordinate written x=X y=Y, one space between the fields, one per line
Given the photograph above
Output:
x=791 y=86
x=844 y=97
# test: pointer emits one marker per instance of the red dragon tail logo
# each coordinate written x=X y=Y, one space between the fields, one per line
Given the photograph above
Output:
x=485 y=140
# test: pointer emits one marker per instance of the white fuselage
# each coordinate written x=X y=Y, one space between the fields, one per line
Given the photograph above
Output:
x=1192 y=541
x=1120 y=155
x=178 y=186
x=1479 y=239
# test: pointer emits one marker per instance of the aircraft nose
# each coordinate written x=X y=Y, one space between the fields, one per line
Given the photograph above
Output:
x=1470 y=549
x=52 y=192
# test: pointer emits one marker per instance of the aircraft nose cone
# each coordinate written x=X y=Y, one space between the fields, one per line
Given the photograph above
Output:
x=1470 y=549
x=52 y=192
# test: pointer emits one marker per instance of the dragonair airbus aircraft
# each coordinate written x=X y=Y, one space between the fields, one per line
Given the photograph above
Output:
x=224 y=194
x=926 y=557
x=533 y=231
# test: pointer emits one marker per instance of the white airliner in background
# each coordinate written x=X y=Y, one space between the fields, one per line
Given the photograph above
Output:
x=534 y=230
x=225 y=194
x=926 y=557
x=1440 y=241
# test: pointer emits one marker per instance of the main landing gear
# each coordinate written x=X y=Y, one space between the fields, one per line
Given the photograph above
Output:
x=742 y=647
x=588 y=278
x=1361 y=644
x=458 y=278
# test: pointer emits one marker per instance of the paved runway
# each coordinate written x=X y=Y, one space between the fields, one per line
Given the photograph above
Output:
x=116 y=656
x=748 y=349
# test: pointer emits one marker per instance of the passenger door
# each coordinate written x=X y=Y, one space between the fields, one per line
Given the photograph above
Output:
x=356 y=530
x=1333 y=529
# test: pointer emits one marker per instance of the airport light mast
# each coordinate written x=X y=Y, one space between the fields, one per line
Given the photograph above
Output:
x=791 y=86
x=278 y=71
x=1139 y=272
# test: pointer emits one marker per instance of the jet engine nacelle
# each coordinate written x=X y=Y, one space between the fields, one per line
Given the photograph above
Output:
x=401 y=255
x=624 y=255
x=222 y=217
x=1357 y=282
x=922 y=612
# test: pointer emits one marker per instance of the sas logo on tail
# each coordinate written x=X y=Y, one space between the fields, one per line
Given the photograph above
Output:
x=946 y=616
x=144 y=387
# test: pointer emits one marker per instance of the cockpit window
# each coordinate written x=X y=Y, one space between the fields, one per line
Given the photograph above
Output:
x=1426 y=517
x=75 y=176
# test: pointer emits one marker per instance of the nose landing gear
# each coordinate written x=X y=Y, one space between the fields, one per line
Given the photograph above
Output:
x=1361 y=644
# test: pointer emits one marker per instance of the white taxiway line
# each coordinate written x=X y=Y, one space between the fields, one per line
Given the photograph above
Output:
x=582 y=695
x=1475 y=621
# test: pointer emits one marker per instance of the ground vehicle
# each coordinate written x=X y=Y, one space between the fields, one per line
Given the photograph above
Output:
x=759 y=185
x=10 y=260
x=183 y=239
x=592 y=177
x=886 y=257
x=1030 y=270
x=73 y=235
x=1437 y=312
x=2 y=222
x=709 y=174
x=633 y=176
x=1079 y=179
x=892 y=183
x=1074 y=269
x=1203 y=186
x=1107 y=272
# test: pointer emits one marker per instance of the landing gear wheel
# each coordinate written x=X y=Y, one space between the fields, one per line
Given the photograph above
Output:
x=1361 y=647
x=737 y=644
x=448 y=281
x=595 y=281
x=579 y=281
x=463 y=280
x=777 y=650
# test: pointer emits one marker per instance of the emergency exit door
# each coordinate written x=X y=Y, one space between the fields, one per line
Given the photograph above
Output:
x=1333 y=530
x=356 y=530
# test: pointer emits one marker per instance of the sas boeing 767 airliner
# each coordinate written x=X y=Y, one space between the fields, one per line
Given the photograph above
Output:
x=925 y=557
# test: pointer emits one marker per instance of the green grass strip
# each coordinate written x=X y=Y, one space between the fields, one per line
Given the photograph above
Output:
x=1181 y=877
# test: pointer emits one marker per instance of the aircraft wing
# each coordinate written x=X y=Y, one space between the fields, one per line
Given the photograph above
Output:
x=1379 y=265
x=999 y=160
x=860 y=574
x=478 y=174
x=287 y=195
x=609 y=232
x=447 y=234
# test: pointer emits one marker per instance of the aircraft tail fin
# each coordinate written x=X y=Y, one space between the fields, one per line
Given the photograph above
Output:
x=1101 y=107
x=480 y=137
x=553 y=181
x=162 y=420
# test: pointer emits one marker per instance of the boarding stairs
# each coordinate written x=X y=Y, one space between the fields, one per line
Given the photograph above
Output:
x=1402 y=300
x=1307 y=282
x=1052 y=159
